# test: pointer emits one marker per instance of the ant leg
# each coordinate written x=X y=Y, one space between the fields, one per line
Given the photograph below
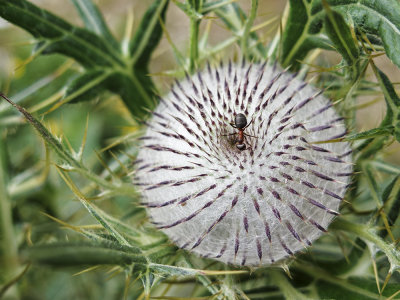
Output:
x=233 y=125
x=248 y=124
x=227 y=134
x=250 y=135
x=248 y=146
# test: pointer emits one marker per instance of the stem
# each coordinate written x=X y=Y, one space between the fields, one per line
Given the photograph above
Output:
x=368 y=233
x=247 y=26
x=288 y=291
x=194 y=50
x=194 y=36
x=8 y=246
x=204 y=280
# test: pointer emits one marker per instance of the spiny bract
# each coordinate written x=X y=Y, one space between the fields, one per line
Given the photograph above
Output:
x=251 y=207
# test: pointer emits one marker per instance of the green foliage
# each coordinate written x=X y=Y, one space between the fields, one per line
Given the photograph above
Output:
x=358 y=259
x=94 y=47
x=306 y=19
x=340 y=34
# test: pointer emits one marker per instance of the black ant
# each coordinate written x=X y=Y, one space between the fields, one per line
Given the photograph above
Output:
x=240 y=124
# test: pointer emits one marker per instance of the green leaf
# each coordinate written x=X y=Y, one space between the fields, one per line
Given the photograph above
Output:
x=210 y=6
x=281 y=281
x=391 y=200
x=377 y=138
x=87 y=86
x=61 y=37
x=234 y=18
x=141 y=47
x=353 y=288
x=188 y=9
x=80 y=254
x=46 y=135
x=294 y=45
x=385 y=167
x=381 y=131
x=179 y=271
x=301 y=34
x=392 y=101
x=128 y=77
x=368 y=234
x=340 y=34
x=379 y=18
x=373 y=186
x=345 y=264
x=94 y=20
x=349 y=288
x=68 y=159
x=106 y=253
x=136 y=90
x=148 y=34
x=369 y=134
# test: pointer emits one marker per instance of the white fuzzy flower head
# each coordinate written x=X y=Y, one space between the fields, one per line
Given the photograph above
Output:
x=247 y=207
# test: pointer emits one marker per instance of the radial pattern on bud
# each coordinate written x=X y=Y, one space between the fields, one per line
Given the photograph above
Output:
x=251 y=207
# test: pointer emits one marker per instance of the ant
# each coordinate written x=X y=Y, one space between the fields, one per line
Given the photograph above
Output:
x=240 y=124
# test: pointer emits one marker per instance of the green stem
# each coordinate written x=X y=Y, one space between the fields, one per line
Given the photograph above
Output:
x=194 y=49
x=8 y=245
x=281 y=281
x=204 y=280
x=368 y=233
x=248 y=25
x=194 y=36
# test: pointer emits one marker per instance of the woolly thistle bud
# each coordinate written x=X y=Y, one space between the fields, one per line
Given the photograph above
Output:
x=245 y=207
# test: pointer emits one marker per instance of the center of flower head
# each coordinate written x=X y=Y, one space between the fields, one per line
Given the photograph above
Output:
x=229 y=169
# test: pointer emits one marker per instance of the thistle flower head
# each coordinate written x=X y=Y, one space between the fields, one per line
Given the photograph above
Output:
x=245 y=207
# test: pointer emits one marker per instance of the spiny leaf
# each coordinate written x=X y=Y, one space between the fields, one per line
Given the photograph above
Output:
x=141 y=47
x=94 y=211
x=391 y=97
x=345 y=264
x=106 y=253
x=188 y=9
x=372 y=133
x=391 y=200
x=84 y=46
x=380 y=18
x=288 y=290
x=368 y=234
x=300 y=34
x=340 y=34
x=355 y=289
x=148 y=34
x=212 y=5
x=45 y=134
x=373 y=185
x=392 y=101
x=94 y=20
x=179 y=271
x=234 y=18
x=79 y=254
x=385 y=167
x=128 y=76
x=86 y=86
